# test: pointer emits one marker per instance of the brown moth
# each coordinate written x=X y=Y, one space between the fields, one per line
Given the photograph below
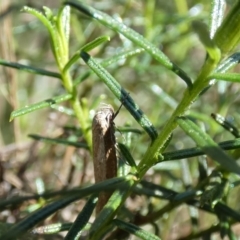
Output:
x=104 y=151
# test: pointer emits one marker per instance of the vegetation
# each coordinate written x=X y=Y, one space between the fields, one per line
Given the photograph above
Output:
x=173 y=65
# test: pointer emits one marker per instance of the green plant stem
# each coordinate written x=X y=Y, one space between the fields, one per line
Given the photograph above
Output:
x=71 y=88
x=78 y=110
x=76 y=105
x=67 y=81
x=151 y=156
x=75 y=101
x=82 y=120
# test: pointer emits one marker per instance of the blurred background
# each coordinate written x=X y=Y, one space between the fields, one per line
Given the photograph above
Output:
x=29 y=166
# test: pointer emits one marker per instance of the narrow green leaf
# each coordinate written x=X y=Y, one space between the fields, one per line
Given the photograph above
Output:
x=133 y=36
x=118 y=57
x=127 y=155
x=56 y=44
x=204 y=36
x=229 y=77
x=216 y=17
x=39 y=105
x=229 y=63
x=82 y=219
x=165 y=193
x=38 y=216
x=110 y=209
x=135 y=230
x=226 y=65
x=48 y=24
x=58 y=141
x=29 y=69
x=96 y=42
x=48 y=13
x=63 y=25
x=227 y=36
x=107 y=213
x=110 y=184
x=224 y=209
x=154 y=190
x=121 y=94
x=40 y=16
x=184 y=196
x=130 y=130
x=121 y=56
x=193 y=152
x=89 y=46
x=52 y=228
x=216 y=189
x=206 y=143
x=62 y=109
x=226 y=124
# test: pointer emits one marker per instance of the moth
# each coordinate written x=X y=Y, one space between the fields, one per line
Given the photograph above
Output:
x=104 y=150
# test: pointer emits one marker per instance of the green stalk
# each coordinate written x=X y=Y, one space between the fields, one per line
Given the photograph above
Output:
x=78 y=110
x=82 y=119
x=227 y=36
x=151 y=156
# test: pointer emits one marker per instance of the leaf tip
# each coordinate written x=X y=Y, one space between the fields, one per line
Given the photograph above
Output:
x=11 y=118
x=25 y=8
x=85 y=56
